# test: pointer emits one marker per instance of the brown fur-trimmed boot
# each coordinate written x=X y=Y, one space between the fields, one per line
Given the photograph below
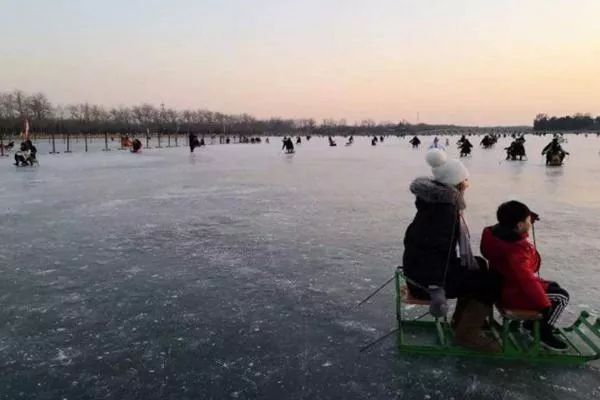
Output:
x=468 y=329
x=461 y=303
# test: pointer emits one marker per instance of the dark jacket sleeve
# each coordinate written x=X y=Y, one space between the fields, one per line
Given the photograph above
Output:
x=429 y=244
x=545 y=149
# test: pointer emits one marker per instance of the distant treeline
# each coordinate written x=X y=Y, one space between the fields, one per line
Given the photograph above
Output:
x=569 y=123
x=47 y=118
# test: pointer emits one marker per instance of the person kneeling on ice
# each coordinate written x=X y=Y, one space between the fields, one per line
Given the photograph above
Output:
x=509 y=252
x=26 y=155
x=438 y=260
x=22 y=155
x=136 y=146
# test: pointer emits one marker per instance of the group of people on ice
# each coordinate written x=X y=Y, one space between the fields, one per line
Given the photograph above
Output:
x=134 y=144
x=439 y=262
x=554 y=153
x=488 y=141
x=26 y=156
x=376 y=139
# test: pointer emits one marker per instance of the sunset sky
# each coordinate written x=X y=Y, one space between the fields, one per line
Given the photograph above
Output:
x=483 y=62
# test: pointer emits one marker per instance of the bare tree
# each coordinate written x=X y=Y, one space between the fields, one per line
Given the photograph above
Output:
x=98 y=114
x=39 y=106
x=137 y=115
x=172 y=118
x=74 y=111
x=17 y=105
x=8 y=108
x=20 y=103
x=149 y=114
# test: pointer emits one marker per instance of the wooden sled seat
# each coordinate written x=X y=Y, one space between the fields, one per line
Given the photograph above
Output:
x=519 y=315
x=407 y=298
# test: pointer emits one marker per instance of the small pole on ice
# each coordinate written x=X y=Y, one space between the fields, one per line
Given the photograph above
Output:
x=376 y=291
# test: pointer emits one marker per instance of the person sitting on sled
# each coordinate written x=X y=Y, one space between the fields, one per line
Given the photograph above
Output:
x=136 y=146
x=415 y=142
x=22 y=155
x=553 y=149
x=438 y=260
x=465 y=147
x=436 y=144
x=32 y=152
x=516 y=149
x=509 y=252
x=288 y=145
x=26 y=155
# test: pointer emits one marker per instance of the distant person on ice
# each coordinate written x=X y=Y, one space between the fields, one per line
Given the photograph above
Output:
x=288 y=145
x=510 y=253
x=554 y=152
x=136 y=145
x=465 y=147
x=415 y=142
x=193 y=141
x=436 y=144
x=438 y=259
x=516 y=149
x=26 y=154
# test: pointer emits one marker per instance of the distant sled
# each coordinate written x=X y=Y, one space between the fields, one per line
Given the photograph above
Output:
x=554 y=161
x=36 y=164
x=31 y=164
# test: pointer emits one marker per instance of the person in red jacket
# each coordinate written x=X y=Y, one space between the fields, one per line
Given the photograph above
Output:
x=510 y=253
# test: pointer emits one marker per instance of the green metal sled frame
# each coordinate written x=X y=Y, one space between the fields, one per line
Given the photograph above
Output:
x=428 y=335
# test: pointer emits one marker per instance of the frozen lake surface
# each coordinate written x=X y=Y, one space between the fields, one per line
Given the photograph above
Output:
x=233 y=272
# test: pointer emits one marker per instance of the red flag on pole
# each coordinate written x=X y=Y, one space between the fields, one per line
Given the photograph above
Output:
x=26 y=135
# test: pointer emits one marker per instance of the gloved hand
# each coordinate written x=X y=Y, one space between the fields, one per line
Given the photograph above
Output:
x=439 y=305
x=534 y=217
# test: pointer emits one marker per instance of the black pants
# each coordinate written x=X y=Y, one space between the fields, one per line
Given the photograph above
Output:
x=559 y=298
x=19 y=159
x=482 y=285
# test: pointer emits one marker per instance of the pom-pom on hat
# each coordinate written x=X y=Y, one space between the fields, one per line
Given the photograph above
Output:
x=447 y=171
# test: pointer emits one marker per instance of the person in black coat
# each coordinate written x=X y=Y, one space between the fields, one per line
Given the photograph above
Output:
x=136 y=145
x=438 y=260
x=193 y=142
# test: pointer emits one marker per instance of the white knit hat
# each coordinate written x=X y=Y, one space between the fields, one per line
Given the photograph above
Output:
x=448 y=171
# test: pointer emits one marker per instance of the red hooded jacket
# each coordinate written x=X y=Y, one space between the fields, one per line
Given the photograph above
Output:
x=515 y=258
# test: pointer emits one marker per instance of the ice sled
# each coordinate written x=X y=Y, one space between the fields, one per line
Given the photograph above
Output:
x=36 y=163
x=433 y=336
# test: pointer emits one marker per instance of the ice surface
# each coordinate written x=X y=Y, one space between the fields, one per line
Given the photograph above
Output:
x=233 y=272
